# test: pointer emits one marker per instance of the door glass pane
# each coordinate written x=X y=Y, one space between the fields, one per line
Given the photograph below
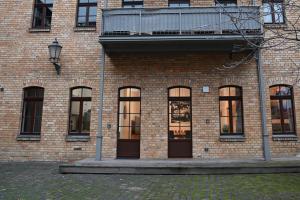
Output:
x=86 y=116
x=185 y=92
x=236 y=108
x=224 y=108
x=237 y=125
x=235 y=91
x=135 y=107
x=135 y=120
x=174 y=92
x=135 y=132
x=223 y=92
x=288 y=118
x=125 y=92
x=74 y=120
x=124 y=133
x=276 y=118
x=124 y=120
x=180 y=111
x=225 y=125
x=124 y=106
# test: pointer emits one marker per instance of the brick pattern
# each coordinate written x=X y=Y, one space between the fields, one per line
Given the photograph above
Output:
x=24 y=62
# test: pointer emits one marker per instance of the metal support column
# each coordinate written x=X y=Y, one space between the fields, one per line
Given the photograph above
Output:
x=262 y=99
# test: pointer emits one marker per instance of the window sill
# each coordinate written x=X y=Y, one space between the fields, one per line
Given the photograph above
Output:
x=39 y=30
x=78 y=138
x=28 y=138
x=85 y=29
x=285 y=138
x=232 y=138
x=275 y=26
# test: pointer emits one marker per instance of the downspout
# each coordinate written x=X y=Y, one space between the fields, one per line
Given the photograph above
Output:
x=99 y=137
x=262 y=99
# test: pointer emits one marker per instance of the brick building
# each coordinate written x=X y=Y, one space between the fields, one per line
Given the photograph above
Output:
x=165 y=92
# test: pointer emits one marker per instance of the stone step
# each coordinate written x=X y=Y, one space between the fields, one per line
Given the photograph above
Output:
x=181 y=167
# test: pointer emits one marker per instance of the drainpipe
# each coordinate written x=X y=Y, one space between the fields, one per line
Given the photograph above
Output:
x=99 y=137
x=262 y=99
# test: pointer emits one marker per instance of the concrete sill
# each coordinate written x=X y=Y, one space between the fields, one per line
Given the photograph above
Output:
x=28 y=138
x=84 y=29
x=39 y=30
x=78 y=138
x=232 y=138
x=285 y=138
x=275 y=26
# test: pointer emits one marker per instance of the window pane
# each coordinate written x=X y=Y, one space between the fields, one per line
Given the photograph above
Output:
x=276 y=118
x=86 y=92
x=74 y=119
x=76 y=92
x=124 y=120
x=37 y=20
x=267 y=13
x=225 y=125
x=93 y=10
x=83 y=1
x=180 y=133
x=86 y=116
x=185 y=92
x=274 y=90
x=174 y=92
x=38 y=116
x=125 y=92
x=124 y=106
x=223 y=92
x=285 y=91
x=135 y=120
x=135 y=92
x=81 y=21
x=28 y=116
x=82 y=11
x=180 y=111
x=135 y=106
x=236 y=108
x=288 y=116
x=234 y=91
x=278 y=11
x=224 y=108
x=124 y=133
x=135 y=132
x=237 y=125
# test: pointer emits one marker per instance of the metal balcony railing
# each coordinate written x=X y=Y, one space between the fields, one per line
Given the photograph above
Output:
x=181 y=21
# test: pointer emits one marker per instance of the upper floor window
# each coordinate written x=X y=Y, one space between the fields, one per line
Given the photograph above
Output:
x=273 y=11
x=129 y=126
x=133 y=3
x=282 y=109
x=179 y=3
x=86 y=13
x=231 y=110
x=42 y=13
x=80 y=111
x=226 y=2
x=32 y=110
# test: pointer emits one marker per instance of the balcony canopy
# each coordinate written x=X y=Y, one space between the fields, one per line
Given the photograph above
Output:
x=181 y=29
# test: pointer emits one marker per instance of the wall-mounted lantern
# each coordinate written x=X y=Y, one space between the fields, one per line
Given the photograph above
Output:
x=54 y=52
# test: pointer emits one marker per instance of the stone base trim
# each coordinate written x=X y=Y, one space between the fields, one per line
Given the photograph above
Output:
x=39 y=30
x=78 y=138
x=28 y=138
x=285 y=138
x=232 y=138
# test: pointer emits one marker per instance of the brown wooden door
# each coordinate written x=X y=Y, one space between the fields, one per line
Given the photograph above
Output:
x=128 y=148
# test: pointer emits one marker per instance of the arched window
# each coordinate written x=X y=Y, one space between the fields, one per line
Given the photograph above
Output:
x=32 y=110
x=80 y=111
x=231 y=110
x=129 y=113
x=282 y=109
x=180 y=115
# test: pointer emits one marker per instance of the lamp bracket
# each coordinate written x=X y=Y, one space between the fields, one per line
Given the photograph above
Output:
x=57 y=68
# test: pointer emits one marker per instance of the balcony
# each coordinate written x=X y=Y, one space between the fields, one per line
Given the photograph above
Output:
x=180 y=29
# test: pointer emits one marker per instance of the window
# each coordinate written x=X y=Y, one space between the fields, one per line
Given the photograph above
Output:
x=86 y=13
x=226 y=2
x=133 y=3
x=282 y=109
x=32 y=111
x=231 y=110
x=42 y=13
x=80 y=111
x=129 y=126
x=179 y=3
x=273 y=11
x=180 y=115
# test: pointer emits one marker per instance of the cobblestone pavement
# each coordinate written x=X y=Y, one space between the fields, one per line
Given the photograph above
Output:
x=32 y=180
